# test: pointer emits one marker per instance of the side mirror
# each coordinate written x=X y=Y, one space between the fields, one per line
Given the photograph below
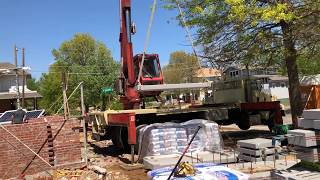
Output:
x=133 y=28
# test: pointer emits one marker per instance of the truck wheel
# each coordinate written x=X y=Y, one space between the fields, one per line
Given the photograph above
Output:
x=244 y=123
x=120 y=137
x=96 y=137
x=270 y=122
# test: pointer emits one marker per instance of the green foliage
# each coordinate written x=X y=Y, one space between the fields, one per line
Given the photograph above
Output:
x=84 y=60
x=249 y=32
x=309 y=61
x=182 y=68
x=32 y=84
x=257 y=32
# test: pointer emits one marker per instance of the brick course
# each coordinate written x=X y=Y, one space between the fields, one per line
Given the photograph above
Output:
x=60 y=145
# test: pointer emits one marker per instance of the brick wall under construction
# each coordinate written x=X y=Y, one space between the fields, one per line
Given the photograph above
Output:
x=55 y=141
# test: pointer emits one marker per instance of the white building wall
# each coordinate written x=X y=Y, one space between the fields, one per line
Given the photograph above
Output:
x=7 y=81
x=280 y=92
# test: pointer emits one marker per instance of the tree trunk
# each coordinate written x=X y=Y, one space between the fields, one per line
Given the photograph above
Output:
x=291 y=63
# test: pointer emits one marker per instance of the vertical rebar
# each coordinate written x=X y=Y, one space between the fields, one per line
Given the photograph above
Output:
x=213 y=157
x=285 y=158
x=197 y=158
x=191 y=157
x=274 y=161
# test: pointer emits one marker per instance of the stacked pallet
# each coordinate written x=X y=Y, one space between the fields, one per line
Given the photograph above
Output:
x=258 y=149
x=306 y=141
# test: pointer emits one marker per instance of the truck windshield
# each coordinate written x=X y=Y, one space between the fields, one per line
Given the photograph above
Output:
x=150 y=68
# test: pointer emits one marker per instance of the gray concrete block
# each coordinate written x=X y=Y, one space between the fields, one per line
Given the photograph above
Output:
x=309 y=123
x=257 y=143
x=305 y=123
x=310 y=154
x=255 y=152
x=316 y=124
x=311 y=114
x=301 y=137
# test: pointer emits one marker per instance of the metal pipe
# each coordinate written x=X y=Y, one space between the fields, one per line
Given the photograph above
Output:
x=132 y=153
x=83 y=111
x=184 y=152
x=23 y=80
x=17 y=89
x=17 y=76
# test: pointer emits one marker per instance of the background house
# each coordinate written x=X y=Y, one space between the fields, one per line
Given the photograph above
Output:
x=272 y=83
x=8 y=92
x=208 y=74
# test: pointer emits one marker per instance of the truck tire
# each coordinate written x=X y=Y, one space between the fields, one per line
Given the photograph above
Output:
x=270 y=121
x=119 y=138
x=96 y=137
x=244 y=123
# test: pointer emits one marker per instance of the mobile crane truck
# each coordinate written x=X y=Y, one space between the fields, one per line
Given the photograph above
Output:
x=141 y=77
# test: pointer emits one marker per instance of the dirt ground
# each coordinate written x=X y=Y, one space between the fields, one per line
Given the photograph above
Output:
x=110 y=157
x=105 y=155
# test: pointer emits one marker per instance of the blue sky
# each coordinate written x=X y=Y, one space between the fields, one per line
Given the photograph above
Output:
x=41 y=25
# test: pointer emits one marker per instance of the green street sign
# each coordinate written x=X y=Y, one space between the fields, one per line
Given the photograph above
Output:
x=106 y=90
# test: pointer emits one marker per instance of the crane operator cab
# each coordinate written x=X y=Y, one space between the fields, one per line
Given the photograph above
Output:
x=151 y=70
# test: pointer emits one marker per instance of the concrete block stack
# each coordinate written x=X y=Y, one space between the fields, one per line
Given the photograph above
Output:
x=307 y=141
x=254 y=150
x=310 y=120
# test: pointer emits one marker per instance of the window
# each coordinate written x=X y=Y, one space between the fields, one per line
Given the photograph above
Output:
x=150 y=68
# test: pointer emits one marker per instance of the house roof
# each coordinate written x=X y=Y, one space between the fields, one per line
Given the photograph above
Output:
x=272 y=77
x=27 y=95
x=6 y=65
x=208 y=72
x=310 y=80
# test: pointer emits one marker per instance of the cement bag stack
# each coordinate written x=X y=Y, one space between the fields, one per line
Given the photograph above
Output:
x=172 y=138
x=307 y=141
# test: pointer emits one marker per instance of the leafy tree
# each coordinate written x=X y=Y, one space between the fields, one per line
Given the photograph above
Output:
x=182 y=68
x=267 y=32
x=309 y=62
x=84 y=60
x=32 y=84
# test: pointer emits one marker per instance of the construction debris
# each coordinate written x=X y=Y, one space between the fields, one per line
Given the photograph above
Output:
x=98 y=169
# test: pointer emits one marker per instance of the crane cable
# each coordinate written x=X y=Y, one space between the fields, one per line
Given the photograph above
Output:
x=184 y=23
x=147 y=39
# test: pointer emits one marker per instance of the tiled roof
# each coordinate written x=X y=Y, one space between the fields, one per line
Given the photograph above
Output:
x=27 y=95
x=7 y=65
x=208 y=72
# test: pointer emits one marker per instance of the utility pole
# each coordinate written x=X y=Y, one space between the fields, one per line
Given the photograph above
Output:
x=65 y=99
x=84 y=124
x=23 y=79
x=17 y=76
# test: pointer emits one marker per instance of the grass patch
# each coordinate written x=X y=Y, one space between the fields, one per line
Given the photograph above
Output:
x=309 y=165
